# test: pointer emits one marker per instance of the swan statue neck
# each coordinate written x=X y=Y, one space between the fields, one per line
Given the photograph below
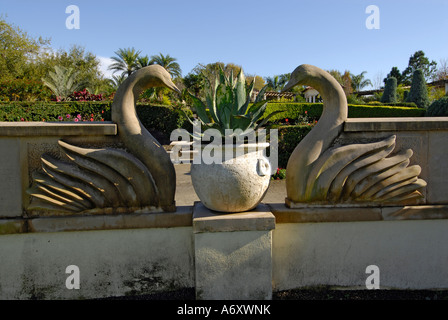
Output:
x=136 y=137
x=323 y=134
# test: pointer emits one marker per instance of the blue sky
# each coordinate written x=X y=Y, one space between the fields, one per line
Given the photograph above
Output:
x=264 y=37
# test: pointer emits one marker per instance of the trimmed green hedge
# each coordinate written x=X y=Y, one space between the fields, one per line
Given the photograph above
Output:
x=313 y=111
x=163 y=119
x=51 y=111
x=288 y=138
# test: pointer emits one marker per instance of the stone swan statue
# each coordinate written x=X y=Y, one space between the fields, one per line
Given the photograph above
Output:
x=319 y=172
x=111 y=180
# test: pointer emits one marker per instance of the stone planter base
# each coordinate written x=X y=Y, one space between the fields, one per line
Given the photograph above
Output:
x=234 y=265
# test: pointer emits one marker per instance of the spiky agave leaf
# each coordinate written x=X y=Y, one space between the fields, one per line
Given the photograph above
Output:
x=211 y=100
x=239 y=92
x=201 y=109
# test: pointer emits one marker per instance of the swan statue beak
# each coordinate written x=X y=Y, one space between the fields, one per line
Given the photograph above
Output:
x=173 y=87
x=289 y=85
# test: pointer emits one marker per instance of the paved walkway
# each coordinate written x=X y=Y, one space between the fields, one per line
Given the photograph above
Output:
x=186 y=196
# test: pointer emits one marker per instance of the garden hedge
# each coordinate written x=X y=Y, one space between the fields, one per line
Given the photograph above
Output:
x=288 y=138
x=312 y=111
x=163 y=119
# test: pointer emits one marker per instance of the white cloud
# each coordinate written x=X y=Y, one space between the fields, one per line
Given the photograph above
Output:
x=104 y=64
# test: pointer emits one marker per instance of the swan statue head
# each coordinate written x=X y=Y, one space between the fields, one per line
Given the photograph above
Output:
x=319 y=173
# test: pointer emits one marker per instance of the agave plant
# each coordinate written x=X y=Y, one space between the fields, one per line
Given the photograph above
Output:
x=228 y=106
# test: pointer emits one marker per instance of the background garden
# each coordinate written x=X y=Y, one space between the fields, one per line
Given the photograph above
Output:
x=38 y=83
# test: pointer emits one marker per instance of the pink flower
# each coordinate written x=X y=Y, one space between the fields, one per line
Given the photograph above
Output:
x=79 y=117
x=60 y=118
x=67 y=116
x=76 y=120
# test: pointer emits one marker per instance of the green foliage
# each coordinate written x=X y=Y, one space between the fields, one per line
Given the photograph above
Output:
x=394 y=72
x=280 y=174
x=63 y=82
x=227 y=105
x=17 y=50
x=24 y=90
x=52 y=111
x=169 y=63
x=390 y=91
x=418 y=61
x=396 y=104
x=163 y=119
x=126 y=61
x=364 y=111
x=438 y=108
x=313 y=111
x=359 y=82
x=353 y=99
x=418 y=92
x=288 y=138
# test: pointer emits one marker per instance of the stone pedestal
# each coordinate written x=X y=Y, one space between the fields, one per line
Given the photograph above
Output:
x=233 y=253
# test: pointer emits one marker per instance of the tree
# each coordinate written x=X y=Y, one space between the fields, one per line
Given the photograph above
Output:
x=194 y=82
x=344 y=79
x=394 y=72
x=63 y=82
x=442 y=70
x=259 y=81
x=116 y=81
x=17 y=51
x=143 y=62
x=347 y=83
x=419 y=61
x=126 y=61
x=273 y=83
x=169 y=63
x=359 y=82
x=390 y=91
x=418 y=92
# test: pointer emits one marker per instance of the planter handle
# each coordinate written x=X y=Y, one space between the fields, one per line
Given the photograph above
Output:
x=263 y=167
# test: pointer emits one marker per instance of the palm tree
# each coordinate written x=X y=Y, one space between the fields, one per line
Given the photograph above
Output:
x=358 y=81
x=63 y=82
x=143 y=62
x=273 y=83
x=126 y=61
x=116 y=81
x=283 y=79
x=169 y=63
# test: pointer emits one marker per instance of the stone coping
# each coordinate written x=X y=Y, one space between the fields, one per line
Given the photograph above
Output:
x=283 y=214
x=396 y=124
x=206 y=220
x=262 y=218
x=32 y=129
x=181 y=218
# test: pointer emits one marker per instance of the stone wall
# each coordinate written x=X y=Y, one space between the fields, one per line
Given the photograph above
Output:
x=143 y=253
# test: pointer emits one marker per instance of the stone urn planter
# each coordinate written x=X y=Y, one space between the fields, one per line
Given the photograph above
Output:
x=235 y=184
x=239 y=182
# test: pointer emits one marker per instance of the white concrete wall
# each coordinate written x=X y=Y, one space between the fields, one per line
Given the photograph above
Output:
x=409 y=254
x=111 y=263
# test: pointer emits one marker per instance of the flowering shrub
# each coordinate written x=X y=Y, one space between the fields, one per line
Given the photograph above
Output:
x=279 y=174
x=78 y=117
x=55 y=111
x=85 y=95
